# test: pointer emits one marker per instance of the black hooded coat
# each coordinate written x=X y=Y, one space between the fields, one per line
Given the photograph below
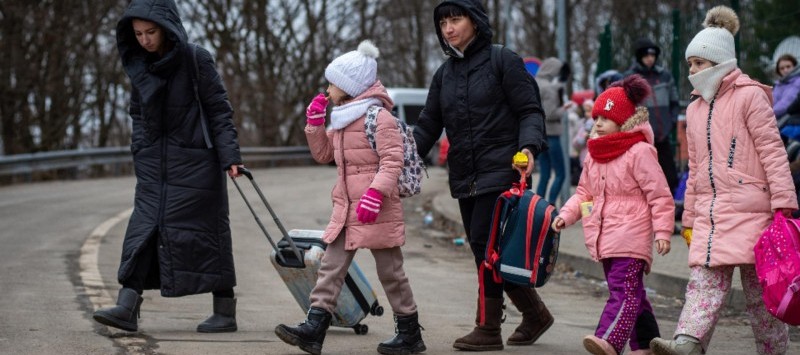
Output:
x=486 y=118
x=181 y=201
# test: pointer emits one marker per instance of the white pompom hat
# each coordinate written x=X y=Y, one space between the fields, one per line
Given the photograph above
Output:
x=715 y=42
x=355 y=71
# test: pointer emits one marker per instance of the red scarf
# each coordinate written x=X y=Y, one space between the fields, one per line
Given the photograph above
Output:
x=607 y=148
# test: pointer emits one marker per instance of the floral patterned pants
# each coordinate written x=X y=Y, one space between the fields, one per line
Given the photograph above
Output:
x=705 y=295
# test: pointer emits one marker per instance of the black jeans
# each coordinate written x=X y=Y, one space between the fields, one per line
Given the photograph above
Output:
x=666 y=158
x=143 y=262
x=476 y=214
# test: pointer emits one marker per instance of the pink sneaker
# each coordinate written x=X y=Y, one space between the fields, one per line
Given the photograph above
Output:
x=598 y=346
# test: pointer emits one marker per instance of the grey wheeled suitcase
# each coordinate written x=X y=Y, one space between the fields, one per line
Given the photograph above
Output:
x=297 y=257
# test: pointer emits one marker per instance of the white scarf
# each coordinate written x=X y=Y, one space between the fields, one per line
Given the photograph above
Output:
x=707 y=81
x=343 y=115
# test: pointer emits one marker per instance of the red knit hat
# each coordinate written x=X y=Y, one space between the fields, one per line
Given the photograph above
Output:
x=619 y=101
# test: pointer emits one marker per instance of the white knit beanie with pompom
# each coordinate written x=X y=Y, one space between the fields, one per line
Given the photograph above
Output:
x=715 y=42
x=355 y=71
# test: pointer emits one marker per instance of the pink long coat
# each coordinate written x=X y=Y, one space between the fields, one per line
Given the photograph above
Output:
x=732 y=191
x=360 y=168
x=632 y=203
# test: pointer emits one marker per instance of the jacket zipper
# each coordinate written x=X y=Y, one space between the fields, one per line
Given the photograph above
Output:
x=711 y=179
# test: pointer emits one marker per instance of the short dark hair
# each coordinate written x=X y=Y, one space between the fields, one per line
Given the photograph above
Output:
x=788 y=57
x=449 y=10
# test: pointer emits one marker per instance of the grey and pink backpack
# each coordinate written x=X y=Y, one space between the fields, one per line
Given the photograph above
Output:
x=410 y=181
x=778 y=268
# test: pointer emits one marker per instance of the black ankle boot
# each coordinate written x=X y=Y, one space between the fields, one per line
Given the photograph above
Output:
x=407 y=339
x=125 y=315
x=309 y=335
x=224 y=318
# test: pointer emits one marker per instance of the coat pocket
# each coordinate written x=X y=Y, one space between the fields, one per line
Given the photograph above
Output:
x=747 y=193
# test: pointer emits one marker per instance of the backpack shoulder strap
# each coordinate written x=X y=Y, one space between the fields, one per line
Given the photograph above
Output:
x=497 y=60
x=371 y=125
x=195 y=79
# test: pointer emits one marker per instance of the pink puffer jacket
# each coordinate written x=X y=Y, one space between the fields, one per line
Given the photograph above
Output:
x=631 y=202
x=733 y=189
x=360 y=168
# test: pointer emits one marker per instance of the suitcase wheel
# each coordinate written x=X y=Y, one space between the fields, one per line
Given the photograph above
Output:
x=376 y=310
x=361 y=329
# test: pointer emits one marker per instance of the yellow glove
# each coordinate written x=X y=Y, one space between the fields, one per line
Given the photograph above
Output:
x=687 y=235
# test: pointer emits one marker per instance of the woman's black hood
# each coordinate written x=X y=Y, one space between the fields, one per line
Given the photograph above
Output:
x=162 y=12
x=477 y=13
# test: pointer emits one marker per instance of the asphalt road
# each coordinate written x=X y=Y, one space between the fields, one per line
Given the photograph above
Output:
x=61 y=244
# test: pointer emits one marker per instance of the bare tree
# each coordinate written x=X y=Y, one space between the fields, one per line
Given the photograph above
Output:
x=45 y=82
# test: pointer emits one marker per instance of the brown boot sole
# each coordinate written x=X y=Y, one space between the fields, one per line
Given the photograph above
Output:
x=471 y=347
x=535 y=336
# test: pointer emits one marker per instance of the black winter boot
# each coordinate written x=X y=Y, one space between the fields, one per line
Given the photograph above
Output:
x=224 y=318
x=125 y=315
x=407 y=339
x=310 y=334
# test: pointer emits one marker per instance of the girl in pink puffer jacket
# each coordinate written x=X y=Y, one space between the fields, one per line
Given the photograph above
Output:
x=624 y=203
x=367 y=211
x=738 y=177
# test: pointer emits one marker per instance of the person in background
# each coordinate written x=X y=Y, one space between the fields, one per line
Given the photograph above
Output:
x=662 y=105
x=489 y=112
x=787 y=87
x=179 y=238
x=605 y=79
x=581 y=136
x=738 y=179
x=551 y=86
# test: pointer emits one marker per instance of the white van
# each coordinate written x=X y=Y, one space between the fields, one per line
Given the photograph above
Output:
x=408 y=103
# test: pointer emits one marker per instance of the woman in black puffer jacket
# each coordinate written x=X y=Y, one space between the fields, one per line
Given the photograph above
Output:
x=489 y=111
x=178 y=239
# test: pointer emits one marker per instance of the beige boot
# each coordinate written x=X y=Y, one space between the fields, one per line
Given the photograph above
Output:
x=597 y=346
x=536 y=319
x=484 y=337
x=675 y=347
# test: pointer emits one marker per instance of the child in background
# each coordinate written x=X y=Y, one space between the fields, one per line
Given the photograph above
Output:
x=367 y=211
x=581 y=135
x=738 y=177
x=623 y=201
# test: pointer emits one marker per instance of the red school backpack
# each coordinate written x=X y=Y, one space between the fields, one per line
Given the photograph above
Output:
x=778 y=268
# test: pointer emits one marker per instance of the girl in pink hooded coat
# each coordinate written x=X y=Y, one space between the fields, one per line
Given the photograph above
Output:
x=738 y=177
x=367 y=211
x=623 y=201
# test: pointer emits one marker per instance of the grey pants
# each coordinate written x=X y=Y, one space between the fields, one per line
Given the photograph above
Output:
x=389 y=264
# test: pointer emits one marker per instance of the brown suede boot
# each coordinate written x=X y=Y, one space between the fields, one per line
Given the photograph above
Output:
x=536 y=319
x=484 y=337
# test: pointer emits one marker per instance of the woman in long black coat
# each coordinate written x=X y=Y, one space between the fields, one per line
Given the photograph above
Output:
x=178 y=239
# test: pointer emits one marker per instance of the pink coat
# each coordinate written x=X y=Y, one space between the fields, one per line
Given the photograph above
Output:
x=360 y=168
x=731 y=193
x=631 y=202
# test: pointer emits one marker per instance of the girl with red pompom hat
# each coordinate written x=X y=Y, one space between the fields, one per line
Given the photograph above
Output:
x=624 y=203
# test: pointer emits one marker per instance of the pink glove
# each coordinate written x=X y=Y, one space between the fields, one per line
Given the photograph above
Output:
x=315 y=113
x=369 y=206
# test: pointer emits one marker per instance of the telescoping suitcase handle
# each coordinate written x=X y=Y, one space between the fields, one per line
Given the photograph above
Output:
x=299 y=261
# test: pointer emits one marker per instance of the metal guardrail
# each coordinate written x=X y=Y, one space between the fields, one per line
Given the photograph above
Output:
x=84 y=158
